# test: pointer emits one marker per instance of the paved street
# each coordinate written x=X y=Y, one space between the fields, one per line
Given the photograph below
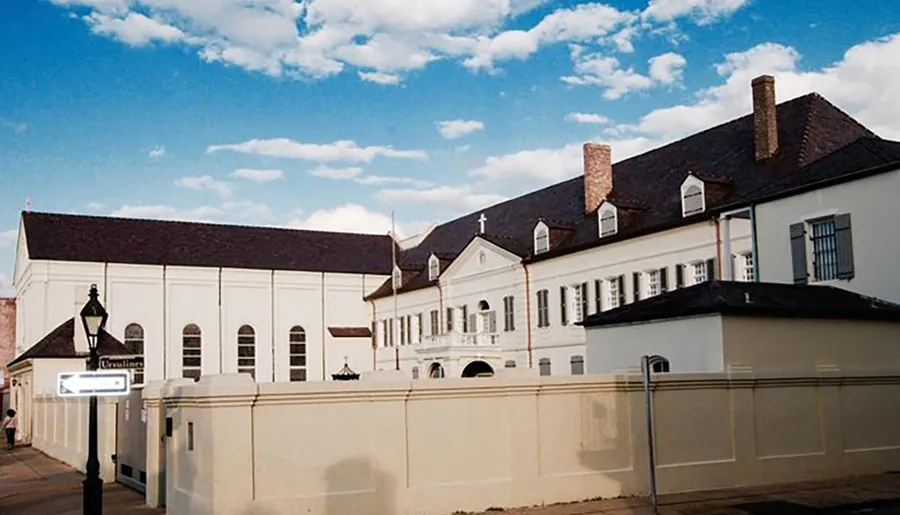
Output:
x=33 y=484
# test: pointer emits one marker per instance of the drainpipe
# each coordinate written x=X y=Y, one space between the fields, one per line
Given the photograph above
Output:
x=272 y=338
x=324 y=329
x=221 y=343
x=165 y=326
x=374 y=335
x=753 y=242
x=528 y=312
x=718 y=269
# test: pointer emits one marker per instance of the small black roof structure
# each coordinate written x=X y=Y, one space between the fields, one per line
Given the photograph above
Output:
x=751 y=299
x=345 y=374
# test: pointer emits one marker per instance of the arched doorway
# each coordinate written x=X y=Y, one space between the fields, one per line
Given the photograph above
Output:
x=478 y=369
x=436 y=371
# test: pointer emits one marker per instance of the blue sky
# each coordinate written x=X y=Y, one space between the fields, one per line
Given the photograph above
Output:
x=332 y=113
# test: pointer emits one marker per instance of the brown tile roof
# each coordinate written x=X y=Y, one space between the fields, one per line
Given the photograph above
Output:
x=60 y=343
x=61 y=237
x=648 y=185
x=350 y=332
x=751 y=299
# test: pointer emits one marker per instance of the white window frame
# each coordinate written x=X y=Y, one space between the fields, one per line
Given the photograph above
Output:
x=607 y=209
x=653 y=283
x=698 y=272
x=612 y=292
x=692 y=182
x=539 y=230
x=434 y=268
x=746 y=262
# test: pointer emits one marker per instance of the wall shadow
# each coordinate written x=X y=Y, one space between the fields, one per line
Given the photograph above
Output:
x=347 y=482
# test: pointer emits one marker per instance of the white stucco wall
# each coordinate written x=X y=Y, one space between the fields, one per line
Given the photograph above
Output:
x=872 y=205
x=690 y=344
x=163 y=300
x=468 y=281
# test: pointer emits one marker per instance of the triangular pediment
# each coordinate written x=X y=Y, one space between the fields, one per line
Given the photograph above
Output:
x=479 y=257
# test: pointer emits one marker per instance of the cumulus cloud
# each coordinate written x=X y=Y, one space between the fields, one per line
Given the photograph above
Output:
x=205 y=183
x=542 y=165
x=455 y=129
x=344 y=150
x=328 y=172
x=258 y=175
x=167 y=212
x=354 y=218
x=156 y=152
x=595 y=69
x=452 y=199
x=380 y=40
x=8 y=238
x=598 y=119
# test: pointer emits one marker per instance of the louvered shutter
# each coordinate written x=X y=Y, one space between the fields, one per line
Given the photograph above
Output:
x=663 y=280
x=843 y=237
x=679 y=275
x=621 y=280
x=798 y=252
x=563 y=312
x=472 y=325
x=711 y=269
x=636 y=283
x=493 y=322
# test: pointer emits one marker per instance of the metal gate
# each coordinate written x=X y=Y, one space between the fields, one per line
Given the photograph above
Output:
x=131 y=442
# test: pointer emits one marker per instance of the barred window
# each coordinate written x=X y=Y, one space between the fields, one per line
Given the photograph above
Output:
x=297 y=353
x=191 y=352
x=246 y=351
x=134 y=342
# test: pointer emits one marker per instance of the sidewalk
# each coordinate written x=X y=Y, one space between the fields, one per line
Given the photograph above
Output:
x=869 y=495
x=33 y=484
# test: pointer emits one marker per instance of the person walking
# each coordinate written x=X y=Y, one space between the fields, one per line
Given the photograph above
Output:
x=10 y=424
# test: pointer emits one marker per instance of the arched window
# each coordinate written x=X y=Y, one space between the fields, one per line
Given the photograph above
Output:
x=544 y=366
x=541 y=238
x=134 y=342
x=191 y=352
x=434 y=268
x=577 y=363
x=436 y=371
x=608 y=222
x=246 y=348
x=692 y=200
x=297 y=353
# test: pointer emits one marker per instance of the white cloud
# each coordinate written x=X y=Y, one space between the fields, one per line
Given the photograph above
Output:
x=454 y=199
x=134 y=28
x=598 y=119
x=156 y=152
x=594 y=69
x=454 y=129
x=542 y=165
x=95 y=206
x=380 y=40
x=8 y=238
x=167 y=212
x=385 y=79
x=344 y=150
x=17 y=127
x=352 y=218
x=248 y=209
x=380 y=179
x=335 y=173
x=205 y=183
x=6 y=288
x=258 y=175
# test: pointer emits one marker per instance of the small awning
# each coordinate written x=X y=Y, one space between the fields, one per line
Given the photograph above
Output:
x=350 y=332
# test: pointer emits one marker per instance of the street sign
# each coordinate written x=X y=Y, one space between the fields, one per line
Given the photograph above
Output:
x=121 y=362
x=85 y=384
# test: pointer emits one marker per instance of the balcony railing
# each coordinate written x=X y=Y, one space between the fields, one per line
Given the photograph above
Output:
x=462 y=340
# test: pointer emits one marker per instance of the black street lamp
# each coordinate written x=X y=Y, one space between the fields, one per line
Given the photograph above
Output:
x=93 y=316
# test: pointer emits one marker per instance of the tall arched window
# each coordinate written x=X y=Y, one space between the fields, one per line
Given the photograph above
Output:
x=297 y=353
x=246 y=347
x=134 y=343
x=191 y=352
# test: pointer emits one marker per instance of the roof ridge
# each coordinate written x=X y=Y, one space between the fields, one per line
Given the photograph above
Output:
x=204 y=223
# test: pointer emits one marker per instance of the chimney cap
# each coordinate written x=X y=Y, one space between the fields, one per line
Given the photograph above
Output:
x=762 y=79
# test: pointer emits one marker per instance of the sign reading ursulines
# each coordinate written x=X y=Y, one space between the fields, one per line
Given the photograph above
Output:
x=82 y=384
x=121 y=362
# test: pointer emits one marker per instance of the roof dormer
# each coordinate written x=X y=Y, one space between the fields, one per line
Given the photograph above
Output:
x=693 y=196
x=541 y=238
x=434 y=268
x=608 y=219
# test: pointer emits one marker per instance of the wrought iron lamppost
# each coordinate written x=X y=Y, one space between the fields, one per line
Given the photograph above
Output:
x=93 y=317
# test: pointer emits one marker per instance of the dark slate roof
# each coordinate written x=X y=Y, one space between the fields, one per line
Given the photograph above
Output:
x=350 y=332
x=648 y=185
x=751 y=299
x=60 y=343
x=99 y=239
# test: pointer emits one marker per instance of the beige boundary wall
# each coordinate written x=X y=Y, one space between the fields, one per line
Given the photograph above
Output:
x=431 y=447
x=60 y=430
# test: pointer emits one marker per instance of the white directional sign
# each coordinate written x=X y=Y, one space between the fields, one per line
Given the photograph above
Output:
x=85 y=384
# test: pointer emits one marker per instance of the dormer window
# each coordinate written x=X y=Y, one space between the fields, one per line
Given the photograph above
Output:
x=693 y=199
x=434 y=268
x=609 y=222
x=396 y=278
x=541 y=238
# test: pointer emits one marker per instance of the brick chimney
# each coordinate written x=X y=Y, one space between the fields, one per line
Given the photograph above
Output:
x=765 y=124
x=598 y=176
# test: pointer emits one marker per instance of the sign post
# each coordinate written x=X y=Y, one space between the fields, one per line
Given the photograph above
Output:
x=86 y=384
x=121 y=362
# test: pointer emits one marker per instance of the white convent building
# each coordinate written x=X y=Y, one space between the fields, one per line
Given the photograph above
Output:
x=499 y=288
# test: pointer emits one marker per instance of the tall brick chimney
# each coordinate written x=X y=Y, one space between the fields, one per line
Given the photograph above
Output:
x=598 y=176
x=765 y=124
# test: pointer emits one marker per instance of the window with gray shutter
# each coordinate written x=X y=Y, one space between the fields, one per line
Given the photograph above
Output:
x=711 y=274
x=844 y=239
x=693 y=200
x=679 y=275
x=621 y=281
x=636 y=284
x=598 y=299
x=563 y=312
x=577 y=364
x=663 y=279
x=798 y=252
x=584 y=300
x=544 y=366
